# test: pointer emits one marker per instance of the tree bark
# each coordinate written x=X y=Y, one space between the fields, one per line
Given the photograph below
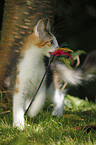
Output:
x=19 y=18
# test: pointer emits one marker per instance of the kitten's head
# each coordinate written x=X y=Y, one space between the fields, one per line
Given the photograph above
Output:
x=44 y=39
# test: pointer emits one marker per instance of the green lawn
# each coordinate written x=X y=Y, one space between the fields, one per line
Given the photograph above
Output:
x=45 y=129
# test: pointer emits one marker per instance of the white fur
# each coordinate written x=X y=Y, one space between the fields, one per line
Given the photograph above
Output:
x=38 y=103
x=57 y=97
x=36 y=32
x=58 y=100
x=31 y=70
x=69 y=75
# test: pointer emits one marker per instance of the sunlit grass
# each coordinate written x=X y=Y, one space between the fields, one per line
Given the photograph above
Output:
x=45 y=129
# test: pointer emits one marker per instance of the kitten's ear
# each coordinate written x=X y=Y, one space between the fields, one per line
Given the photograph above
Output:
x=42 y=25
x=41 y=29
x=47 y=24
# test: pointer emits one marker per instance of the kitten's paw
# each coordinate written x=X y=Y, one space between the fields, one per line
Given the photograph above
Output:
x=57 y=112
x=18 y=126
x=18 y=118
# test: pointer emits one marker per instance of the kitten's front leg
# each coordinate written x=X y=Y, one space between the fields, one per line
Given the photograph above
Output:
x=57 y=97
x=18 y=110
x=38 y=103
x=58 y=100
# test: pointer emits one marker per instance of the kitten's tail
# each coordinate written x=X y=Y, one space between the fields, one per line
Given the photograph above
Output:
x=87 y=72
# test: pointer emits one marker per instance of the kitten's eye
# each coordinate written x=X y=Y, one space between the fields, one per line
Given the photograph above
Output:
x=51 y=41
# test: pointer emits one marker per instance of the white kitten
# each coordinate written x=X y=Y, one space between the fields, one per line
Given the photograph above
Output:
x=30 y=70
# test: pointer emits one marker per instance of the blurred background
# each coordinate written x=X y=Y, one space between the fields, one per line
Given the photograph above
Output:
x=75 y=24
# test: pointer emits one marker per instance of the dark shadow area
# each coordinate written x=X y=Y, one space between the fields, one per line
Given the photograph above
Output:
x=1 y=12
x=75 y=23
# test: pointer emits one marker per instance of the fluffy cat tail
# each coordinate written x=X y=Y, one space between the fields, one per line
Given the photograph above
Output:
x=87 y=72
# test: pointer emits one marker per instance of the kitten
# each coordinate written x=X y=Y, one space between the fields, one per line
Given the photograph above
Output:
x=30 y=69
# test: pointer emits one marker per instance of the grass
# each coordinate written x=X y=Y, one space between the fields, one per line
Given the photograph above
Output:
x=45 y=129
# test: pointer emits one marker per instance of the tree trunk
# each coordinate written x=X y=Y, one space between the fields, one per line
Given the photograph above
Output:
x=19 y=18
